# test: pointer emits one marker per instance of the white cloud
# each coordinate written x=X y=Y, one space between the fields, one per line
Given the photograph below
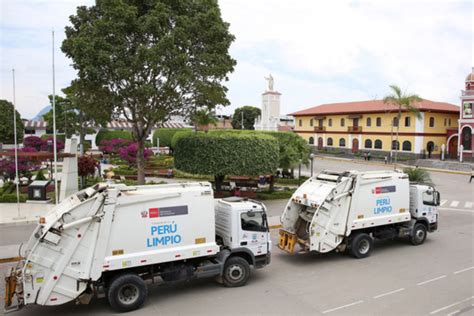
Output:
x=317 y=51
x=359 y=48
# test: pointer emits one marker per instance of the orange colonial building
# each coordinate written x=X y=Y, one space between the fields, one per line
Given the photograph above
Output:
x=367 y=126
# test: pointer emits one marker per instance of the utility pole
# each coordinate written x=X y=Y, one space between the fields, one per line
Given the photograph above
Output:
x=56 y=195
x=242 y=121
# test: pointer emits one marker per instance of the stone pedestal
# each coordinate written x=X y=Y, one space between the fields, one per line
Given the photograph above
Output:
x=270 y=117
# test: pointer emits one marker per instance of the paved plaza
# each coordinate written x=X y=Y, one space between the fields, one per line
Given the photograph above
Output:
x=436 y=278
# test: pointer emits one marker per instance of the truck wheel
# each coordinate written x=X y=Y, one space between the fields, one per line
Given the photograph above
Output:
x=127 y=292
x=236 y=272
x=361 y=246
x=418 y=235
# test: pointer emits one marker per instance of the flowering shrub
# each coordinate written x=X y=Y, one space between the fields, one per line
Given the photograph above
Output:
x=48 y=144
x=39 y=144
x=25 y=165
x=33 y=142
x=87 y=166
x=113 y=146
x=129 y=153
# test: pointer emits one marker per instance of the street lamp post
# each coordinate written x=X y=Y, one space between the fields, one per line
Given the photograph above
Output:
x=17 y=177
x=311 y=156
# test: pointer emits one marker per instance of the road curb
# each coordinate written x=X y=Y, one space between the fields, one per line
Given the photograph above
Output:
x=401 y=165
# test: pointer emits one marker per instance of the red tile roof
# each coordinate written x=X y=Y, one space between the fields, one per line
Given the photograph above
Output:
x=285 y=128
x=374 y=106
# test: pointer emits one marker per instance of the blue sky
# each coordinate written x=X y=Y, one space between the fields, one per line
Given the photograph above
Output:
x=317 y=51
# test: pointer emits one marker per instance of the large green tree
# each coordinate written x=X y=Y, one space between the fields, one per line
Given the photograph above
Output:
x=6 y=124
x=82 y=108
x=245 y=116
x=91 y=105
x=66 y=117
x=293 y=149
x=402 y=101
x=227 y=154
x=154 y=58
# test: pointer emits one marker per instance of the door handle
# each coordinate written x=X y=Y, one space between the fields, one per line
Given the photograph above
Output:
x=243 y=243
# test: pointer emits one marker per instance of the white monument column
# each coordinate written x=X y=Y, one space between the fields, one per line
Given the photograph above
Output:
x=270 y=117
x=69 y=175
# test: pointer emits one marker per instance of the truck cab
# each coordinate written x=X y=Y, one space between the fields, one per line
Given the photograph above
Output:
x=242 y=227
x=424 y=202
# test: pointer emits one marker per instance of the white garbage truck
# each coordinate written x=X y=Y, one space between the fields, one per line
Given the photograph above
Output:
x=348 y=210
x=108 y=239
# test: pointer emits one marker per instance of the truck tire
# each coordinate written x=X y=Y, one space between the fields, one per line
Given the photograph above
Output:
x=361 y=246
x=236 y=272
x=127 y=292
x=418 y=235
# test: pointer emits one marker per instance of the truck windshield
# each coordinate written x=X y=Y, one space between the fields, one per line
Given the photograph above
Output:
x=254 y=221
x=429 y=197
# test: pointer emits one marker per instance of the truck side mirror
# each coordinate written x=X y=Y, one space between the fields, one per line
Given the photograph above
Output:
x=437 y=198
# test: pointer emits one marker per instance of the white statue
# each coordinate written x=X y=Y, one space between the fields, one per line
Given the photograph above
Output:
x=270 y=82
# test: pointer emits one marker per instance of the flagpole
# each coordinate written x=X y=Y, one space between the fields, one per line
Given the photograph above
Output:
x=56 y=195
x=17 y=178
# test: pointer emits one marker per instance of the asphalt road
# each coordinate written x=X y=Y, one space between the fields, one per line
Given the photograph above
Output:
x=436 y=278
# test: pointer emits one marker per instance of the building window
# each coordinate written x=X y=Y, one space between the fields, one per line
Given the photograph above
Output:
x=395 y=122
x=342 y=142
x=300 y=122
x=395 y=145
x=29 y=131
x=407 y=121
x=343 y=122
x=378 y=121
x=311 y=122
x=432 y=121
x=445 y=122
x=449 y=122
x=368 y=143
x=378 y=144
x=406 y=146
x=311 y=140
x=330 y=122
x=329 y=142
x=369 y=122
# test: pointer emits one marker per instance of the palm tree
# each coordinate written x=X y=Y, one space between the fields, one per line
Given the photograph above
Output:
x=402 y=101
x=203 y=118
x=418 y=175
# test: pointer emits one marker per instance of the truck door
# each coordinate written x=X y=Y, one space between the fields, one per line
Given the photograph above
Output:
x=254 y=232
x=430 y=200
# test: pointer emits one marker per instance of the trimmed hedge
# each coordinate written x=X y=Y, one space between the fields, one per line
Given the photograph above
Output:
x=275 y=195
x=179 y=135
x=11 y=198
x=292 y=146
x=166 y=135
x=58 y=136
x=227 y=154
x=105 y=134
